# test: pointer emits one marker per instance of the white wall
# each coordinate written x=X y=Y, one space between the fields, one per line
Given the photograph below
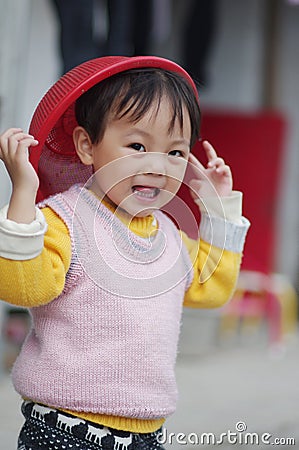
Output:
x=236 y=58
x=29 y=64
x=12 y=69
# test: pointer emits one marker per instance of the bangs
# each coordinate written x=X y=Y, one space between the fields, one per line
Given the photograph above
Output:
x=133 y=94
x=138 y=98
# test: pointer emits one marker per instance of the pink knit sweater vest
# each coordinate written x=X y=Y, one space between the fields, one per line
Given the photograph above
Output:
x=108 y=343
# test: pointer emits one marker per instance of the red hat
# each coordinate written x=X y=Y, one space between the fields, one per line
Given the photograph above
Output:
x=54 y=158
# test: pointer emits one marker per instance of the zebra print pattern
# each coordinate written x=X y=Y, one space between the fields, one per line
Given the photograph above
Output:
x=49 y=429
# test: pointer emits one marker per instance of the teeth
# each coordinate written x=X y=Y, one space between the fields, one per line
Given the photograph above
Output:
x=146 y=192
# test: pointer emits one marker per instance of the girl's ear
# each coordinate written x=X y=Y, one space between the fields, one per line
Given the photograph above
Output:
x=83 y=145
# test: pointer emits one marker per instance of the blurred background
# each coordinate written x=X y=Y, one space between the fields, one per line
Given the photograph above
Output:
x=240 y=362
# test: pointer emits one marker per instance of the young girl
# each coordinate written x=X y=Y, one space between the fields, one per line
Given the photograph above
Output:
x=101 y=266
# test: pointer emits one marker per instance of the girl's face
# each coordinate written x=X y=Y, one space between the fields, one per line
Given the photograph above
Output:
x=140 y=166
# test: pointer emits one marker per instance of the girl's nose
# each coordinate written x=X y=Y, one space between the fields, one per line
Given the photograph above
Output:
x=155 y=164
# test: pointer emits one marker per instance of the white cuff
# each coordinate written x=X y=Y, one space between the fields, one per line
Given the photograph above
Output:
x=222 y=224
x=228 y=208
x=224 y=234
x=19 y=241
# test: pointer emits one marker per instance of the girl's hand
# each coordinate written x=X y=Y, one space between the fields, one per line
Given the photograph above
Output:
x=14 y=153
x=213 y=180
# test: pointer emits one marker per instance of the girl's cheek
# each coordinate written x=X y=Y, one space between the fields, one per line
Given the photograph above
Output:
x=177 y=170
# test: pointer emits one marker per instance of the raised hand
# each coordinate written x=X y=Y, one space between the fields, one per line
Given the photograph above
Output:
x=14 y=145
x=212 y=180
x=14 y=153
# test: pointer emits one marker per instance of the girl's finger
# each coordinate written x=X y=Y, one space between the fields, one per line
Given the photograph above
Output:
x=217 y=162
x=19 y=147
x=224 y=170
x=210 y=151
x=10 y=141
x=19 y=137
x=26 y=142
x=11 y=132
x=195 y=184
x=8 y=134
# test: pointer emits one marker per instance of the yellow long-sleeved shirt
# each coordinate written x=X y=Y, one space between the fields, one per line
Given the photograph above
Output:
x=39 y=280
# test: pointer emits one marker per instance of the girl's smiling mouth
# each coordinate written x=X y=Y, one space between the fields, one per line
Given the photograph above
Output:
x=146 y=192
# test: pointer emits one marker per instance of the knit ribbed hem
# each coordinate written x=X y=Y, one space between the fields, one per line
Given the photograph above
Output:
x=223 y=234
x=120 y=423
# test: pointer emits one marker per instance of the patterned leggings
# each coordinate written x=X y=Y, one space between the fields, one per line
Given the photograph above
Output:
x=48 y=429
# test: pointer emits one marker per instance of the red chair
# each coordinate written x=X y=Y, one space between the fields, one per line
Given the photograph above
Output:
x=253 y=145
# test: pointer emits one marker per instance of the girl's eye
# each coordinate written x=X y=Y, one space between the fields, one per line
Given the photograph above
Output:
x=137 y=147
x=177 y=153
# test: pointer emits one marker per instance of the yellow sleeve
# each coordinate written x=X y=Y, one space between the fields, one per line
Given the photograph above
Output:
x=215 y=274
x=39 y=280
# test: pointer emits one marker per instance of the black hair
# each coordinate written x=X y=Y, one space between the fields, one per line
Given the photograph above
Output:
x=132 y=93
